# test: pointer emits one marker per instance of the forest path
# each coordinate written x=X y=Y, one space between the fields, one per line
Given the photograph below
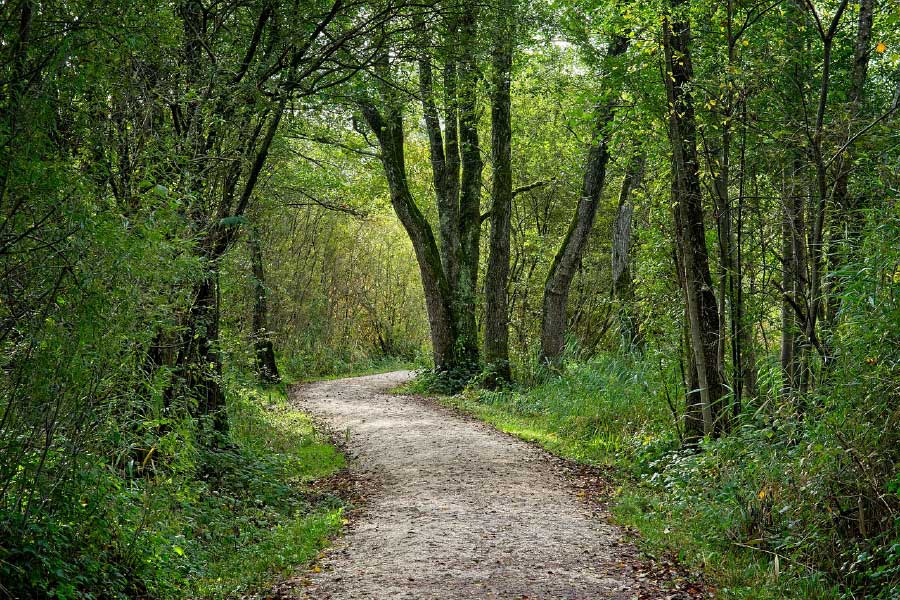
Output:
x=459 y=509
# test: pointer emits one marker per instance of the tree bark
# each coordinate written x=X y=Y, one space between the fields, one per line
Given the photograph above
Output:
x=388 y=129
x=565 y=263
x=794 y=264
x=199 y=365
x=266 y=367
x=623 y=283
x=496 y=329
x=703 y=315
x=470 y=188
x=818 y=206
x=456 y=165
x=693 y=403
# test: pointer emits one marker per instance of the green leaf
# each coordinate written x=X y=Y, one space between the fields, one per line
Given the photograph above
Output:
x=233 y=221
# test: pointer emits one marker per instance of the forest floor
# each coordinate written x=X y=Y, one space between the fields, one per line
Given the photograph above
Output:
x=456 y=509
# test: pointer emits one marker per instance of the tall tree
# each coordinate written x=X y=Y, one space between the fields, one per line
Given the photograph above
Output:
x=496 y=317
x=565 y=262
x=449 y=270
x=622 y=282
x=702 y=308
x=236 y=78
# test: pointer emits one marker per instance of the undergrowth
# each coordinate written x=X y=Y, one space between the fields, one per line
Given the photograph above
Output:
x=183 y=521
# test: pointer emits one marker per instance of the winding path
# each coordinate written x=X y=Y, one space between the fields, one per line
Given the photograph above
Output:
x=460 y=510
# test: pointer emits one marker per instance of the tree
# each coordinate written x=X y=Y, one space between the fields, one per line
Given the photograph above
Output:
x=235 y=79
x=700 y=300
x=266 y=367
x=449 y=270
x=565 y=263
x=496 y=311
x=622 y=281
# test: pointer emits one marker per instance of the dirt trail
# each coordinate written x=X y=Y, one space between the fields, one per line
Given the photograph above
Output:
x=460 y=510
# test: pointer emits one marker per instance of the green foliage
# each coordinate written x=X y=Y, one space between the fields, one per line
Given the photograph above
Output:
x=202 y=523
x=774 y=510
x=127 y=139
x=441 y=382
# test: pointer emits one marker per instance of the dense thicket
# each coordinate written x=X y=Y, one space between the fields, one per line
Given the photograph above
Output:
x=198 y=194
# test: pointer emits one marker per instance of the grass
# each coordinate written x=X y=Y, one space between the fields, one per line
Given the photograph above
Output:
x=172 y=518
x=260 y=523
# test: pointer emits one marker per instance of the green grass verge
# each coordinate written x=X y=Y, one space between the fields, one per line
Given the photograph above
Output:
x=257 y=519
x=168 y=517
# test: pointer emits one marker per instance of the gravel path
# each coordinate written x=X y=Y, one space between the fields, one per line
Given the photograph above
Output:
x=460 y=510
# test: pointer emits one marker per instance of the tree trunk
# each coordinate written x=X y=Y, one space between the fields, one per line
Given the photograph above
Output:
x=794 y=265
x=623 y=284
x=793 y=269
x=703 y=315
x=456 y=166
x=847 y=206
x=266 y=368
x=693 y=403
x=198 y=365
x=818 y=205
x=496 y=329
x=565 y=263
x=438 y=300
x=470 y=189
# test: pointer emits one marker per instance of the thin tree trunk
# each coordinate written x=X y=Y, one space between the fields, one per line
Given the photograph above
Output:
x=565 y=263
x=817 y=264
x=496 y=329
x=795 y=302
x=623 y=283
x=744 y=353
x=266 y=367
x=693 y=403
x=703 y=315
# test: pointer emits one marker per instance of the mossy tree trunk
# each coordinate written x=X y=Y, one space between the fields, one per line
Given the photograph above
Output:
x=496 y=327
x=266 y=368
x=702 y=308
x=565 y=262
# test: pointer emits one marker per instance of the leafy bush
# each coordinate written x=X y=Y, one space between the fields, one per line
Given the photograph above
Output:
x=201 y=523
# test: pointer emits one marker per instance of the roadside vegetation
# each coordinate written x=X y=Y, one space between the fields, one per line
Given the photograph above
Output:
x=171 y=519
x=772 y=510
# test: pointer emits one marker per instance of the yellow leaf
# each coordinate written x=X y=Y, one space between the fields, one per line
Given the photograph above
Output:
x=317 y=569
x=880 y=48
x=762 y=494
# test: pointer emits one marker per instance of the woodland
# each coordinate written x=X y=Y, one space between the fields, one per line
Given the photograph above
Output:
x=661 y=237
